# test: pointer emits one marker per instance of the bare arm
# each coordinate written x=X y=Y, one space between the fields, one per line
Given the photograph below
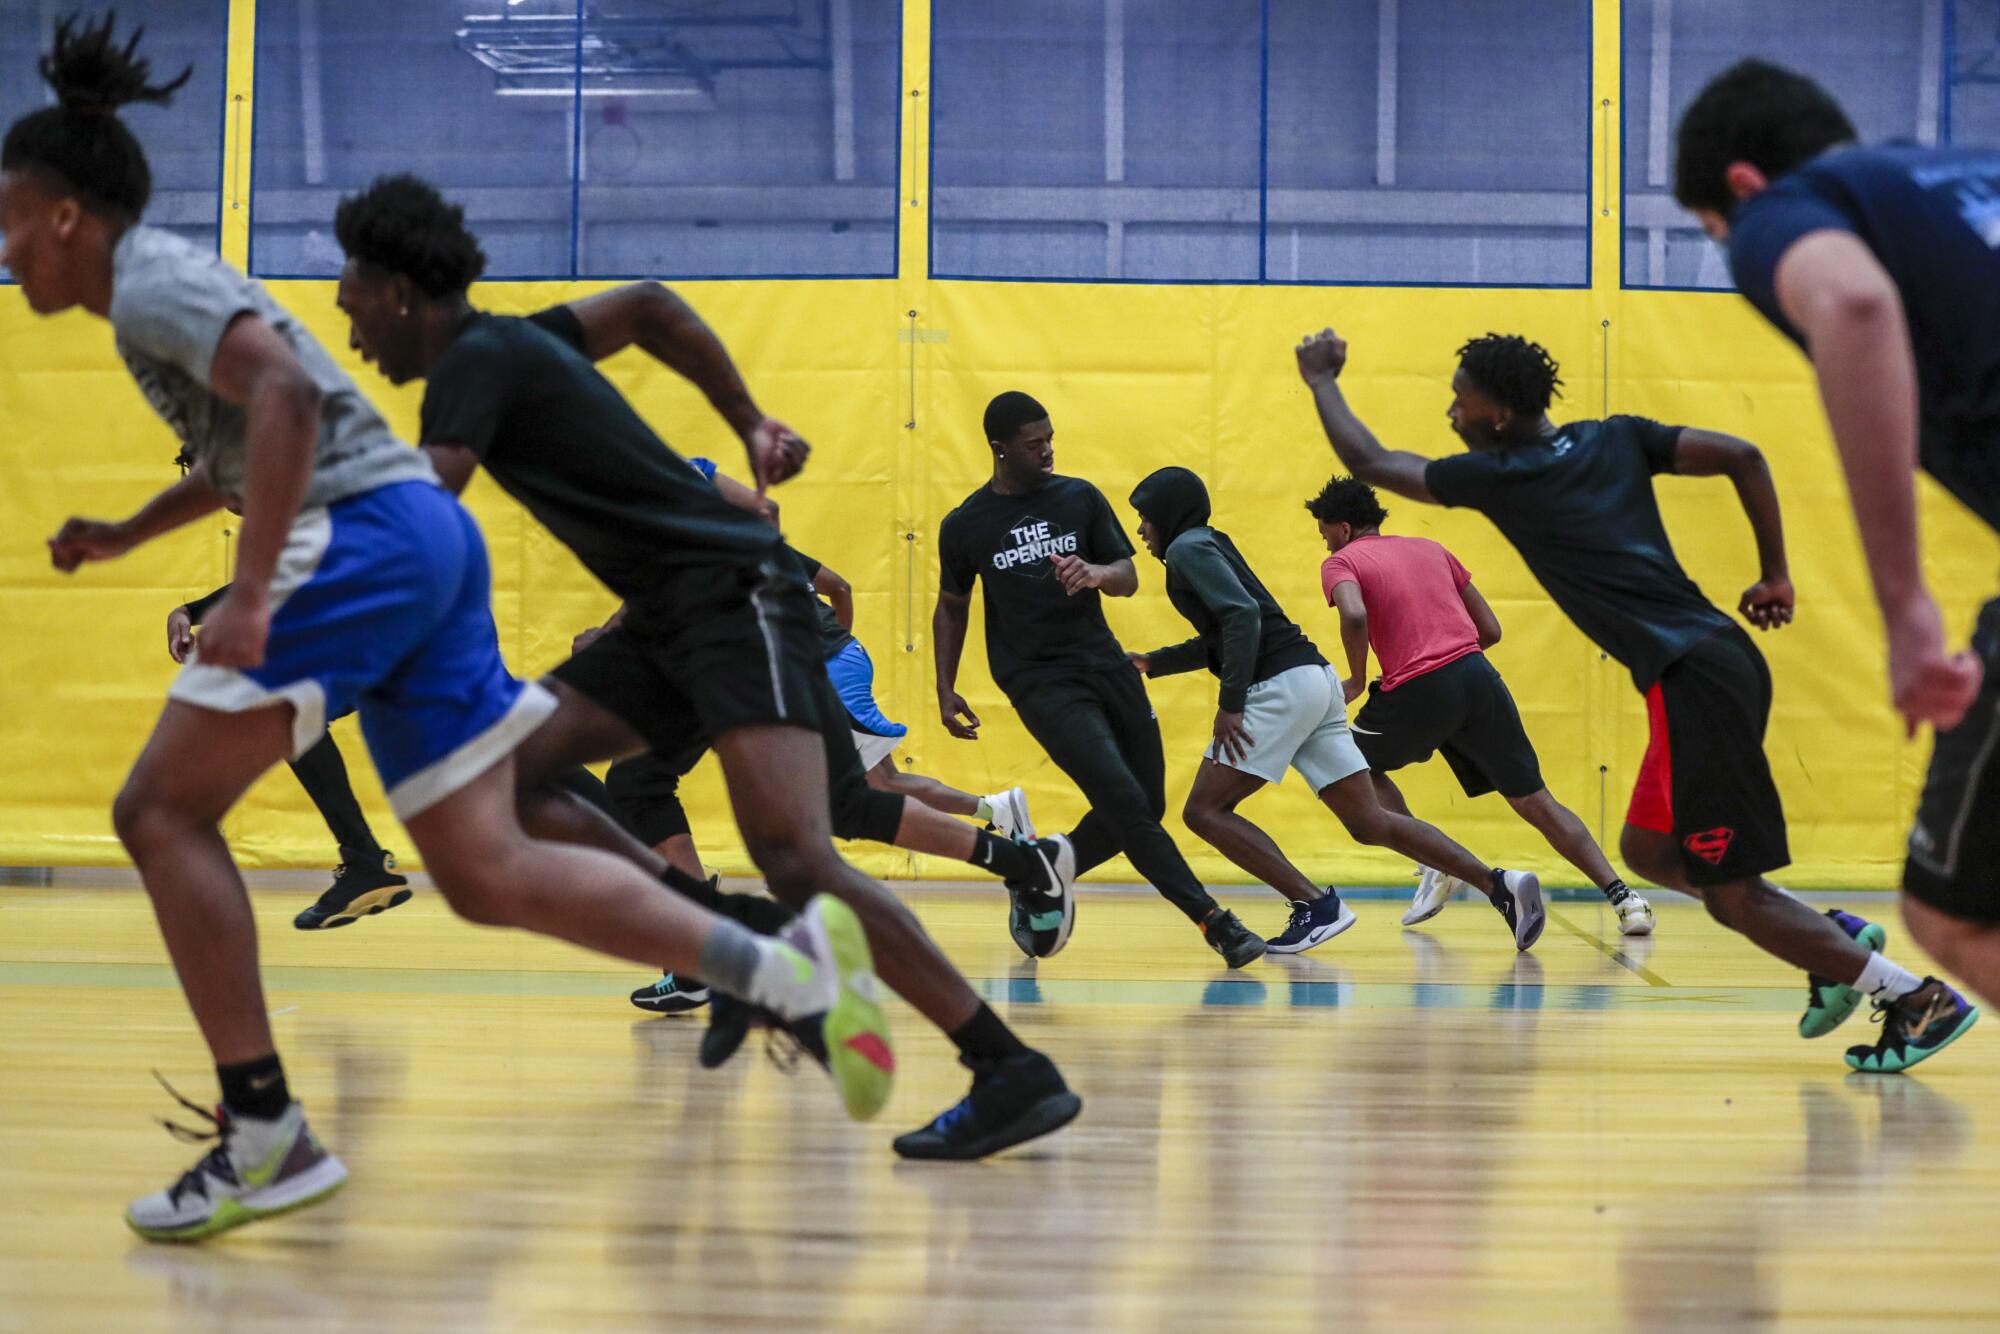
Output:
x=948 y=626
x=454 y=465
x=80 y=540
x=1483 y=619
x=1353 y=634
x=653 y=317
x=1119 y=579
x=837 y=591
x=1840 y=299
x=1768 y=603
x=1322 y=357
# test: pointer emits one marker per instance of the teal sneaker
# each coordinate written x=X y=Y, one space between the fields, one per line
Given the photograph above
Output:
x=1828 y=1003
x=1915 y=1028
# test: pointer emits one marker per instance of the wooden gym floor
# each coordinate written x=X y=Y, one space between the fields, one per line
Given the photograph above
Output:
x=1400 y=1131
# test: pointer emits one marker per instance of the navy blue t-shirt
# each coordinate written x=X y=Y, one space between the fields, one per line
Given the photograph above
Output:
x=1932 y=218
x=1580 y=509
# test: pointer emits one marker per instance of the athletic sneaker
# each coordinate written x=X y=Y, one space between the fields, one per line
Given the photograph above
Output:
x=1235 y=942
x=1518 y=896
x=1915 y=1027
x=850 y=1037
x=1433 y=892
x=1013 y=1100
x=672 y=995
x=359 y=890
x=1010 y=814
x=1828 y=1003
x=256 y=1169
x=1635 y=915
x=1314 y=922
x=1042 y=911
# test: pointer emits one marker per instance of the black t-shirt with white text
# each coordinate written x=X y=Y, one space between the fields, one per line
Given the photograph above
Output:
x=1579 y=507
x=1007 y=542
x=559 y=438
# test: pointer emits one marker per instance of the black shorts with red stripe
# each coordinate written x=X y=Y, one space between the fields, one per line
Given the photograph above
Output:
x=1954 y=863
x=1705 y=780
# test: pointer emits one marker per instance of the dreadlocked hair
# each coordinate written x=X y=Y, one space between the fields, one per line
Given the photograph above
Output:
x=1517 y=374
x=80 y=142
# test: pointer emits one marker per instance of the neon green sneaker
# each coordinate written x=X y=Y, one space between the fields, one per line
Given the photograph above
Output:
x=854 y=1033
x=257 y=1169
x=1828 y=1003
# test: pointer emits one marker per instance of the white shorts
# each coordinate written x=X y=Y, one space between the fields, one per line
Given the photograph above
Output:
x=874 y=749
x=1298 y=720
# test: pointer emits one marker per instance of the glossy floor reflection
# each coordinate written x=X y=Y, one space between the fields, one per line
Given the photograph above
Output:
x=1404 y=1130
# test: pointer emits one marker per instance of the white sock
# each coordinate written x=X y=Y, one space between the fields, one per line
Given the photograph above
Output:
x=1883 y=979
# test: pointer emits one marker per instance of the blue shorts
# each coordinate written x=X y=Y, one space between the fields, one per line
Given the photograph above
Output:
x=852 y=672
x=380 y=606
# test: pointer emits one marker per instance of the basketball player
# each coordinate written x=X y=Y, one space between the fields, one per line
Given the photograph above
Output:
x=365 y=882
x=1882 y=264
x=357 y=581
x=1412 y=601
x=1280 y=708
x=1577 y=502
x=1049 y=550
x=716 y=643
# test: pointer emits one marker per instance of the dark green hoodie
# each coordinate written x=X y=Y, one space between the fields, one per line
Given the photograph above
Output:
x=1241 y=634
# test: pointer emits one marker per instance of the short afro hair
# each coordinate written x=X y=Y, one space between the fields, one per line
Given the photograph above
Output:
x=1009 y=412
x=402 y=224
x=1518 y=375
x=1753 y=112
x=1348 y=500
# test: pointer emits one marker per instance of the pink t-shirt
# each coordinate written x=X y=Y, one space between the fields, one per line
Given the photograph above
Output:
x=1417 y=622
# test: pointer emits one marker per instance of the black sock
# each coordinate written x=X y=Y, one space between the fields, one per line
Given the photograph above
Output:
x=764 y=916
x=1002 y=856
x=985 y=1037
x=255 y=1089
x=1498 y=879
x=1616 y=892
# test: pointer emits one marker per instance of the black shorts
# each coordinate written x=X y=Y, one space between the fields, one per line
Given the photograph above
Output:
x=1463 y=709
x=1954 y=861
x=715 y=648
x=645 y=792
x=1705 y=780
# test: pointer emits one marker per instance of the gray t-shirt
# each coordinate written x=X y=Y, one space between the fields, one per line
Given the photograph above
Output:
x=171 y=303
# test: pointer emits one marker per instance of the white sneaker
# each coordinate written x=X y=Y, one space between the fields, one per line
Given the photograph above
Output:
x=1010 y=814
x=1635 y=916
x=1519 y=899
x=255 y=1170
x=1433 y=892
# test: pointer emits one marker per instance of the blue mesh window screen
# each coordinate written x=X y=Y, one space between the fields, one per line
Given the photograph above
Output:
x=1885 y=60
x=1378 y=141
x=627 y=138
x=183 y=142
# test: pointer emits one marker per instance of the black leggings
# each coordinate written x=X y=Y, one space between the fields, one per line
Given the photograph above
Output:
x=1100 y=730
x=323 y=774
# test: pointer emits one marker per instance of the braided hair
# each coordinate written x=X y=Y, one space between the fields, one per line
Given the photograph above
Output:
x=1515 y=373
x=80 y=143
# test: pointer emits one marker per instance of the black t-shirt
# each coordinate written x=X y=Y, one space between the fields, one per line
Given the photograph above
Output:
x=1580 y=509
x=1932 y=218
x=833 y=635
x=560 y=439
x=1032 y=625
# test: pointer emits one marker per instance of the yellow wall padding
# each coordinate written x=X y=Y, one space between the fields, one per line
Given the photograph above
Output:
x=1136 y=377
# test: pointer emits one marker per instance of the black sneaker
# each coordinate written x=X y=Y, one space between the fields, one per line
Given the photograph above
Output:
x=1227 y=936
x=1012 y=1100
x=730 y=1021
x=1914 y=1028
x=672 y=995
x=359 y=890
x=1042 y=911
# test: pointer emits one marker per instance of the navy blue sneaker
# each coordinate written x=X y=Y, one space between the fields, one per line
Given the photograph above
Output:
x=1314 y=922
